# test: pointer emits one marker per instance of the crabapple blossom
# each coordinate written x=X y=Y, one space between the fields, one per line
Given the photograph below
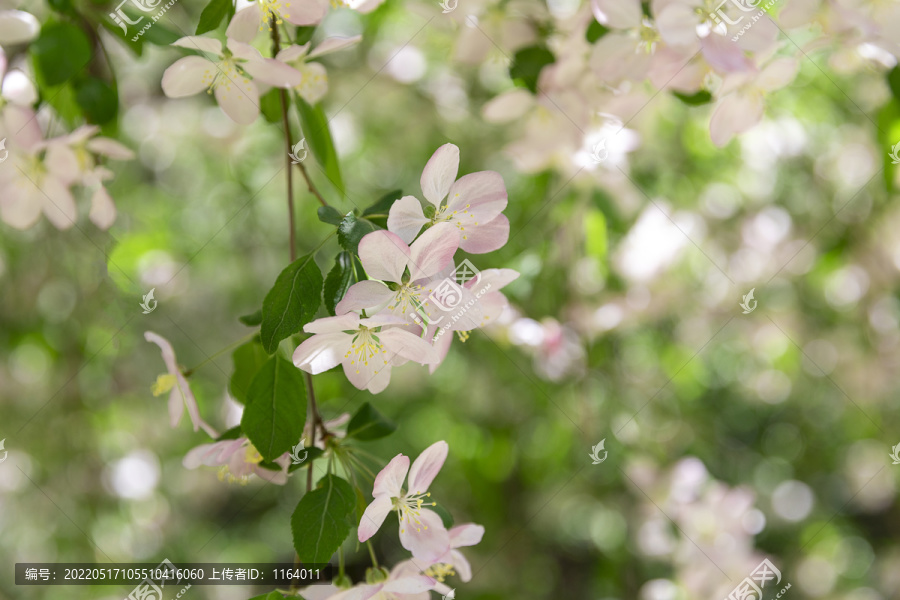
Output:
x=314 y=85
x=452 y=562
x=230 y=75
x=237 y=461
x=174 y=382
x=472 y=203
x=365 y=347
x=402 y=583
x=421 y=529
x=399 y=273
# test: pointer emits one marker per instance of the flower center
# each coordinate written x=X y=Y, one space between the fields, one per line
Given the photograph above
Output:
x=272 y=9
x=408 y=293
x=163 y=384
x=227 y=74
x=648 y=36
x=251 y=457
x=365 y=345
x=409 y=509
x=443 y=215
x=440 y=571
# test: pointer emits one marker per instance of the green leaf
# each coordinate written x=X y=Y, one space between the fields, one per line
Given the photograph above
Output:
x=321 y=521
x=444 y=514
x=595 y=31
x=369 y=424
x=382 y=207
x=98 y=100
x=291 y=303
x=330 y=215
x=270 y=105
x=248 y=359
x=276 y=408
x=339 y=279
x=698 y=99
x=304 y=34
x=232 y=434
x=595 y=234
x=62 y=99
x=527 y=64
x=352 y=229
x=318 y=137
x=893 y=79
x=253 y=319
x=61 y=51
x=213 y=14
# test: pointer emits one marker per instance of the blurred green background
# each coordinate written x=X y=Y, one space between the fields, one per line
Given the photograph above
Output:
x=731 y=437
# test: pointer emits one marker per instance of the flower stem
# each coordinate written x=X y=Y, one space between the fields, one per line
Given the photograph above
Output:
x=287 y=147
x=372 y=553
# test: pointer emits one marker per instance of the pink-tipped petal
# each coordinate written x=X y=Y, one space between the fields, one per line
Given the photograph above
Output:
x=427 y=539
x=176 y=406
x=239 y=100
x=59 y=205
x=245 y=23
x=460 y=565
x=426 y=467
x=486 y=237
x=677 y=24
x=204 y=44
x=274 y=72
x=307 y=12
x=321 y=352
x=384 y=255
x=103 y=211
x=477 y=198
x=347 y=322
x=389 y=481
x=398 y=342
x=406 y=218
x=433 y=251
x=111 y=148
x=334 y=44
x=723 y=55
x=440 y=173
x=186 y=76
x=373 y=517
x=364 y=295
x=468 y=534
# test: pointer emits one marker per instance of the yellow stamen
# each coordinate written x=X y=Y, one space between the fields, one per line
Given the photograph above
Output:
x=163 y=384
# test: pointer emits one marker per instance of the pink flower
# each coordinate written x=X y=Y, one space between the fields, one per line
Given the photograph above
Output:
x=249 y=21
x=741 y=103
x=181 y=394
x=237 y=461
x=472 y=203
x=228 y=76
x=315 y=78
x=452 y=562
x=403 y=583
x=367 y=348
x=399 y=272
x=421 y=530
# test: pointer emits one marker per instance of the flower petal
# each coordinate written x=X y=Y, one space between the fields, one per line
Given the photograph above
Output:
x=274 y=72
x=245 y=24
x=433 y=251
x=735 y=113
x=406 y=218
x=477 y=198
x=468 y=534
x=239 y=100
x=399 y=342
x=187 y=76
x=103 y=211
x=305 y=12
x=389 y=481
x=321 y=352
x=365 y=295
x=427 y=539
x=724 y=55
x=677 y=24
x=384 y=255
x=409 y=585
x=111 y=148
x=204 y=44
x=374 y=516
x=460 y=565
x=440 y=173
x=618 y=14
x=314 y=85
x=371 y=374
x=337 y=324
x=485 y=237
x=59 y=205
x=426 y=467
x=508 y=106
x=334 y=44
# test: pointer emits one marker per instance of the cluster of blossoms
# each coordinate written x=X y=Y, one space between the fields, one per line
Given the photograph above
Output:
x=728 y=52
x=40 y=174
x=413 y=298
x=237 y=74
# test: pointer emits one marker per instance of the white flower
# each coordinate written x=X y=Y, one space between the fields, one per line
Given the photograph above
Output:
x=315 y=79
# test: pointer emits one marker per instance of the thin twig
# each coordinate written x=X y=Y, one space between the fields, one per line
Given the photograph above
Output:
x=312 y=187
x=287 y=146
